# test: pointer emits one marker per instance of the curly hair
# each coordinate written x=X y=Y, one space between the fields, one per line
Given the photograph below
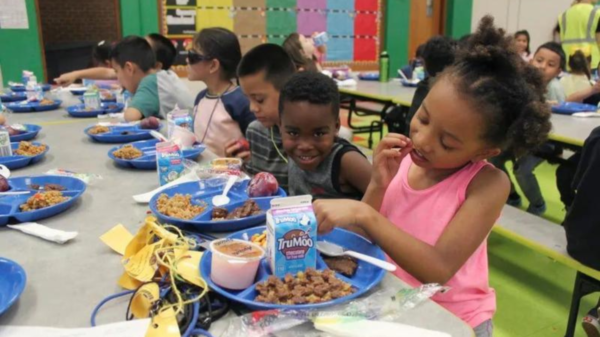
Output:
x=506 y=91
x=438 y=53
x=312 y=87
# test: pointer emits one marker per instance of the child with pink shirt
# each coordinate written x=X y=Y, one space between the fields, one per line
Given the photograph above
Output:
x=433 y=198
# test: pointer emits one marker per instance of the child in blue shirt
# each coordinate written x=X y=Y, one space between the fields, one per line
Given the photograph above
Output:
x=322 y=165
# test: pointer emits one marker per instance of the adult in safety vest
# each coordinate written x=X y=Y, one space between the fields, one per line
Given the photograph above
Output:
x=579 y=30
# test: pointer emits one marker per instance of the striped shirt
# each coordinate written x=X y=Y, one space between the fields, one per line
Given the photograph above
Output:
x=264 y=156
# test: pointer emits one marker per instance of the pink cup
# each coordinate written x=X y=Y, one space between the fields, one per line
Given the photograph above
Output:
x=234 y=263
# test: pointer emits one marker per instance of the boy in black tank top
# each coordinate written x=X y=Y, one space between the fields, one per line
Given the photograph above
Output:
x=322 y=165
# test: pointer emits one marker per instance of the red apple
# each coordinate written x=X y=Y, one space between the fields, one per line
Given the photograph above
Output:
x=243 y=145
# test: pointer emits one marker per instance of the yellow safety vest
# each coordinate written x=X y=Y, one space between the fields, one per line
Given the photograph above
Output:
x=578 y=31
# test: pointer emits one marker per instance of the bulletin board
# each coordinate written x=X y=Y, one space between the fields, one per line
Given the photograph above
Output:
x=354 y=26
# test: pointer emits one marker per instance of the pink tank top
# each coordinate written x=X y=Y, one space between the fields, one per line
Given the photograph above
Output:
x=425 y=214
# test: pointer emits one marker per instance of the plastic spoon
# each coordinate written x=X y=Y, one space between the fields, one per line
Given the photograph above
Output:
x=332 y=249
x=2 y=194
x=223 y=199
x=158 y=136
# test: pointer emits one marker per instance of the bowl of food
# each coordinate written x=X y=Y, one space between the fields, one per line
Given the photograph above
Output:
x=142 y=155
x=24 y=154
x=34 y=106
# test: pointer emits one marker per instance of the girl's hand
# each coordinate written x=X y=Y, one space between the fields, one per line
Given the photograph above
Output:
x=234 y=149
x=387 y=158
x=337 y=213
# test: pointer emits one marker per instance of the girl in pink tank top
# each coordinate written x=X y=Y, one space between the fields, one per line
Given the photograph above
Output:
x=433 y=198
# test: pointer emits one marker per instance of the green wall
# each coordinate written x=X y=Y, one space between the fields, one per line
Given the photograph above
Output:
x=20 y=49
x=458 y=18
x=396 y=34
x=139 y=17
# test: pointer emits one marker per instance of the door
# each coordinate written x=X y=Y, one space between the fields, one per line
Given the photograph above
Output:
x=426 y=20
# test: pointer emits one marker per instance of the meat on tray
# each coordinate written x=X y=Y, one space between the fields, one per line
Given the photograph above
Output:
x=47 y=187
x=249 y=208
x=312 y=286
x=345 y=265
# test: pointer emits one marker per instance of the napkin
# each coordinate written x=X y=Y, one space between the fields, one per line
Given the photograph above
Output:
x=44 y=232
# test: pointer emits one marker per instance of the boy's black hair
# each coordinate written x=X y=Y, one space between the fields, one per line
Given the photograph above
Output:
x=223 y=45
x=312 y=87
x=136 y=50
x=420 y=50
x=555 y=48
x=270 y=58
x=438 y=53
x=101 y=52
x=526 y=34
x=509 y=94
x=164 y=50
x=579 y=63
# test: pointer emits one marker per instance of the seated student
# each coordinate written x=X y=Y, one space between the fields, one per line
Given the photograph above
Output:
x=549 y=59
x=100 y=66
x=522 y=40
x=582 y=223
x=133 y=61
x=408 y=69
x=322 y=165
x=579 y=77
x=433 y=199
x=222 y=112
x=303 y=52
x=438 y=53
x=262 y=73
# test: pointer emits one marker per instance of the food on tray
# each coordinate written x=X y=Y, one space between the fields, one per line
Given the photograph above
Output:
x=249 y=208
x=263 y=184
x=111 y=106
x=260 y=239
x=47 y=187
x=4 y=186
x=29 y=149
x=106 y=95
x=224 y=164
x=98 y=129
x=311 y=286
x=234 y=263
x=150 y=123
x=42 y=200
x=128 y=152
x=46 y=101
x=179 y=206
x=345 y=265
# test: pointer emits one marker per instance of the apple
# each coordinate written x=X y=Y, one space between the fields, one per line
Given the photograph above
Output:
x=263 y=184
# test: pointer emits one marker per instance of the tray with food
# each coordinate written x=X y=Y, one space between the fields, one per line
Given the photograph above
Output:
x=21 y=132
x=81 y=111
x=106 y=96
x=24 y=154
x=142 y=155
x=42 y=197
x=19 y=87
x=123 y=133
x=34 y=106
x=11 y=96
x=190 y=206
x=333 y=281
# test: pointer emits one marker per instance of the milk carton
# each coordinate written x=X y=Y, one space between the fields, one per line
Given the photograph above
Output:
x=169 y=162
x=291 y=235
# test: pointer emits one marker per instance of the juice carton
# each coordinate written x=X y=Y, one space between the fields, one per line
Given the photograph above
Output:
x=291 y=235
x=169 y=162
x=91 y=99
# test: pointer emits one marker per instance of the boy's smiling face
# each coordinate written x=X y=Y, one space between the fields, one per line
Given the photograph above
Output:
x=548 y=62
x=264 y=98
x=308 y=132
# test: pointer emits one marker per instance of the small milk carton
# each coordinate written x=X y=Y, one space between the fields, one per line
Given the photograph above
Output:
x=5 y=149
x=291 y=235
x=169 y=162
x=91 y=99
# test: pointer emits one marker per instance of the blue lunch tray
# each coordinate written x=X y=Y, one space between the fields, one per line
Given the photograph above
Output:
x=148 y=159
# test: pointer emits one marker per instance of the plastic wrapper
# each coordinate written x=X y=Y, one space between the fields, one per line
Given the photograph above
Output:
x=88 y=178
x=383 y=305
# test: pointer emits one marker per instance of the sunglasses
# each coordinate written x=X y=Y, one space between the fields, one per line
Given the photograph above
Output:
x=194 y=57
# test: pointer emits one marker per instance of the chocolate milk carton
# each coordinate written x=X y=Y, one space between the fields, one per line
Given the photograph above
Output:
x=291 y=235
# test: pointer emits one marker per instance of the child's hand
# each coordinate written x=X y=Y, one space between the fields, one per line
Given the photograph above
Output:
x=387 y=158
x=235 y=149
x=336 y=213
x=65 y=79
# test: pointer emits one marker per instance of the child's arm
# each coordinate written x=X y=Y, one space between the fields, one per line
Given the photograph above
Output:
x=468 y=229
x=579 y=96
x=355 y=171
x=133 y=114
x=92 y=74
